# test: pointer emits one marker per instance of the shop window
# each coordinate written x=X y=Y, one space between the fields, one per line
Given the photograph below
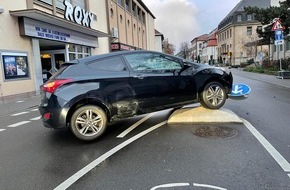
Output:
x=77 y=51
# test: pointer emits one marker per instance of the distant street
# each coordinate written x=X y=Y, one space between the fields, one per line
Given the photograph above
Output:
x=155 y=155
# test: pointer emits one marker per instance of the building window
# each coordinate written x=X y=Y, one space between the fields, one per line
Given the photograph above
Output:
x=77 y=51
x=230 y=33
x=134 y=11
x=128 y=23
x=120 y=2
x=239 y=18
x=112 y=13
x=121 y=19
x=249 y=30
x=128 y=5
x=143 y=17
x=249 y=17
x=59 y=3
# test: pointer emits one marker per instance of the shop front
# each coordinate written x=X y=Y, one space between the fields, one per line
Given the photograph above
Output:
x=50 y=40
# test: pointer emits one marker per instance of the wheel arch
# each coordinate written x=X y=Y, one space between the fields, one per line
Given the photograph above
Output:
x=88 y=101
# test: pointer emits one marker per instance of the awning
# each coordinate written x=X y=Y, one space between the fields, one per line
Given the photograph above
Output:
x=54 y=20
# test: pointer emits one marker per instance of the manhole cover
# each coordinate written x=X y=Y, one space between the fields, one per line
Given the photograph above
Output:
x=214 y=132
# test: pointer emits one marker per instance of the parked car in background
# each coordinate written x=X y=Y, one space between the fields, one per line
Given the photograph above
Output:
x=88 y=93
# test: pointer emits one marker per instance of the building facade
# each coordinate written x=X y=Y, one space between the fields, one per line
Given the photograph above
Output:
x=197 y=46
x=236 y=30
x=209 y=51
x=37 y=36
x=131 y=24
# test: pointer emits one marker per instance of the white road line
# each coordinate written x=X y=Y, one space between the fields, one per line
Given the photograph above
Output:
x=274 y=153
x=170 y=185
x=123 y=134
x=67 y=183
x=208 y=186
x=18 y=124
x=289 y=175
x=36 y=109
x=21 y=113
x=2 y=130
x=19 y=101
x=36 y=118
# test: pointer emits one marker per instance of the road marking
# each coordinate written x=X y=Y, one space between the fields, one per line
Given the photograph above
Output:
x=18 y=124
x=274 y=153
x=208 y=186
x=36 y=109
x=21 y=113
x=2 y=130
x=123 y=134
x=20 y=101
x=67 y=183
x=170 y=185
x=36 y=118
x=289 y=175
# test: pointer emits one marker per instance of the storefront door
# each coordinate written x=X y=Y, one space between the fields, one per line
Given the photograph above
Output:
x=51 y=61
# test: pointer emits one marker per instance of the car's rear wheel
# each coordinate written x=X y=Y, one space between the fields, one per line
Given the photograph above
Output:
x=88 y=122
x=213 y=96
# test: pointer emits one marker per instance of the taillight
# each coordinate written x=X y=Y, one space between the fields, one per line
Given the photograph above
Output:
x=51 y=86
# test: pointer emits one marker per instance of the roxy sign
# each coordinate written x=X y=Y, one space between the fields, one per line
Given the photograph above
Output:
x=78 y=15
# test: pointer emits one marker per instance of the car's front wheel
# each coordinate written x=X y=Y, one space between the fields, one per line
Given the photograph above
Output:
x=88 y=122
x=213 y=96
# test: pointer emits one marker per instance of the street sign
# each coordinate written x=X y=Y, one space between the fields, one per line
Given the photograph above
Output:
x=279 y=42
x=279 y=35
x=278 y=25
x=240 y=90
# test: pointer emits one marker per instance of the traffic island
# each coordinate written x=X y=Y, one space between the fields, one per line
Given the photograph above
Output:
x=203 y=115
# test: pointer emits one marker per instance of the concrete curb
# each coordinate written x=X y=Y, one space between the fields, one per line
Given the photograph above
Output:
x=202 y=115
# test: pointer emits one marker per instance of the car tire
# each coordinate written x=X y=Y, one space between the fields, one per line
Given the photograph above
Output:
x=213 y=96
x=88 y=122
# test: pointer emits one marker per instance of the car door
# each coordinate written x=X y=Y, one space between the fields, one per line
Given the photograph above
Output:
x=154 y=79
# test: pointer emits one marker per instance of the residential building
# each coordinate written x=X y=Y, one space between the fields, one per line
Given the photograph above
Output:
x=237 y=29
x=197 y=46
x=38 y=36
x=159 y=37
x=209 y=51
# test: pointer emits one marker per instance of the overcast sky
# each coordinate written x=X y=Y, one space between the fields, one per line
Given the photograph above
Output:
x=183 y=20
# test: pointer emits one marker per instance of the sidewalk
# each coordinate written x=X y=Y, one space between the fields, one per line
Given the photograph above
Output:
x=33 y=102
x=19 y=105
x=262 y=77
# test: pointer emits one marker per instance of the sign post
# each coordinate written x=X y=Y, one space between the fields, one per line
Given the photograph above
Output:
x=279 y=38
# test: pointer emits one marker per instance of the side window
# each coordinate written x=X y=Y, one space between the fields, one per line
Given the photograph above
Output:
x=108 y=64
x=150 y=62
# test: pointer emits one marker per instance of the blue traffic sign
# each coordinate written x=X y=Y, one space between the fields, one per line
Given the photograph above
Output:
x=240 y=90
x=279 y=35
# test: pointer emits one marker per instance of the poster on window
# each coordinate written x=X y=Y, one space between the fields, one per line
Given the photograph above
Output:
x=15 y=65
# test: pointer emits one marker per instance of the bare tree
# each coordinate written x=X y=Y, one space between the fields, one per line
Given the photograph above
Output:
x=184 y=50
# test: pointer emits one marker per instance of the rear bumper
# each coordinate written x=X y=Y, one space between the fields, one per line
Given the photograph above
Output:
x=57 y=118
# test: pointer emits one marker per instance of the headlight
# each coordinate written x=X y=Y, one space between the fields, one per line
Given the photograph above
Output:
x=225 y=69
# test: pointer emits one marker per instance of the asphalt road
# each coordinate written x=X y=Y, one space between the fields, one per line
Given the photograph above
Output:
x=34 y=157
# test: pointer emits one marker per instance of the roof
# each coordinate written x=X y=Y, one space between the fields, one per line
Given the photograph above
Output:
x=201 y=38
x=240 y=7
x=157 y=33
x=146 y=8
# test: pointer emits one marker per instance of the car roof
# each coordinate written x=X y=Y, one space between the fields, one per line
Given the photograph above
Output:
x=94 y=57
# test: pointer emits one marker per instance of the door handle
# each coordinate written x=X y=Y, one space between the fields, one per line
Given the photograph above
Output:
x=138 y=76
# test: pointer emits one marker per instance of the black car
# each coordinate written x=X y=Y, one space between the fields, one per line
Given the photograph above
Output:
x=88 y=93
